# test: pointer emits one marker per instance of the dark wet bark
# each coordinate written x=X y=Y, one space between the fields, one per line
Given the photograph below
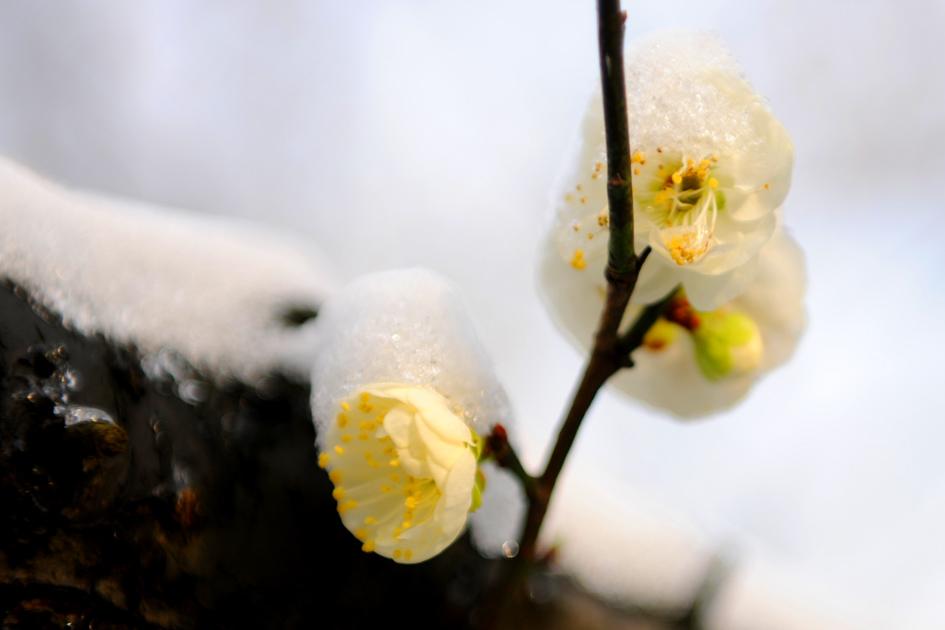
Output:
x=200 y=505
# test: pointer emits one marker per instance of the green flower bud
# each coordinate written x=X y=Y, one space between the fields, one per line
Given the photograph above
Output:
x=727 y=344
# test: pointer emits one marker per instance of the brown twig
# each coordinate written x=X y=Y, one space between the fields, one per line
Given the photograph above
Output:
x=622 y=266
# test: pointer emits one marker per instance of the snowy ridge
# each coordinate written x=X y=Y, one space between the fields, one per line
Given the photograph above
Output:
x=216 y=291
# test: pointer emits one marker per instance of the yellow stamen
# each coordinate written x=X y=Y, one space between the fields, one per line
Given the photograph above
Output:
x=398 y=553
x=395 y=463
x=368 y=547
x=342 y=421
x=345 y=438
x=370 y=520
x=323 y=460
x=407 y=555
x=335 y=476
x=577 y=261
x=345 y=406
x=385 y=489
x=338 y=493
x=339 y=450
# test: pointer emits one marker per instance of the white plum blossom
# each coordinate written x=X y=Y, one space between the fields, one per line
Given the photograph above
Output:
x=404 y=468
x=694 y=362
x=711 y=167
x=401 y=393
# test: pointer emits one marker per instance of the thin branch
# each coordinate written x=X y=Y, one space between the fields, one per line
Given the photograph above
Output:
x=610 y=27
x=622 y=266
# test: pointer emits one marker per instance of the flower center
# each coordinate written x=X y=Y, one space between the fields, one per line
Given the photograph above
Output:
x=680 y=195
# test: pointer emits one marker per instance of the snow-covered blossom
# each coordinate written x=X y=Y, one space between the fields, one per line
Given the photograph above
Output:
x=402 y=392
x=695 y=362
x=711 y=166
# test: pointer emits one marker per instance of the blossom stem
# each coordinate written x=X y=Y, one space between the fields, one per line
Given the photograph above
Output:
x=633 y=338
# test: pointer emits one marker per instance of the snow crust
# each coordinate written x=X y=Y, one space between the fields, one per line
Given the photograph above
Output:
x=686 y=90
x=215 y=291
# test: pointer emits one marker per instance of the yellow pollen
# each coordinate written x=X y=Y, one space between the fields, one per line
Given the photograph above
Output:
x=713 y=182
x=583 y=199
x=345 y=438
x=603 y=219
x=381 y=416
x=338 y=493
x=405 y=524
x=685 y=248
x=398 y=553
x=767 y=186
x=410 y=502
x=345 y=406
x=595 y=175
x=385 y=489
x=590 y=236
x=368 y=547
x=636 y=171
x=361 y=534
x=335 y=476
x=407 y=555
x=323 y=460
x=342 y=420
x=395 y=463
x=577 y=261
x=636 y=157
x=366 y=407
x=368 y=455
x=362 y=436
x=677 y=178
x=370 y=520
x=386 y=438
x=397 y=532
x=350 y=505
x=372 y=463
x=363 y=425
x=365 y=397
x=339 y=450
x=394 y=478
x=390 y=451
x=597 y=166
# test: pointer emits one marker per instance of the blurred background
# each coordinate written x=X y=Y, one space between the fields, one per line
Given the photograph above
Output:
x=398 y=133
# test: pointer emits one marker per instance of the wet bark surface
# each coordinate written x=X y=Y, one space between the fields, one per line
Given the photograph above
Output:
x=149 y=495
